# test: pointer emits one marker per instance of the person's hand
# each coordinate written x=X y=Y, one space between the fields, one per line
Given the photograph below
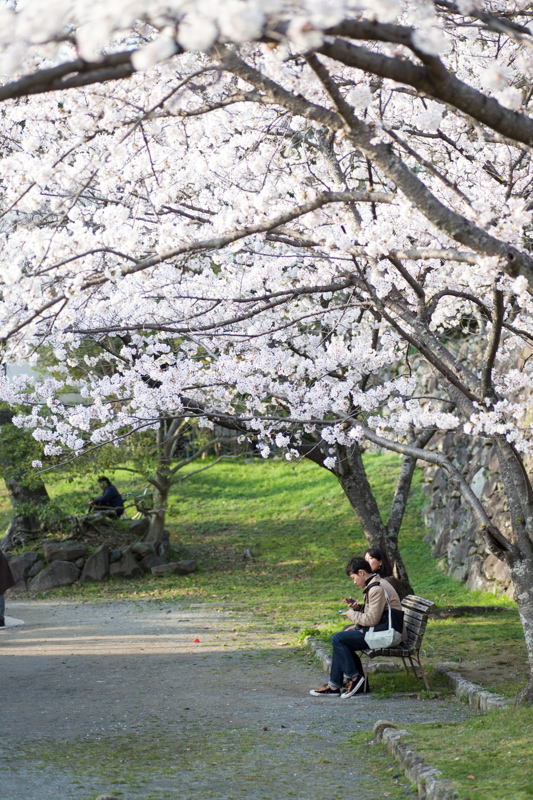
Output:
x=354 y=605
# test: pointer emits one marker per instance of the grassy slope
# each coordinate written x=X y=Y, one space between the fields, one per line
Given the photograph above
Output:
x=301 y=531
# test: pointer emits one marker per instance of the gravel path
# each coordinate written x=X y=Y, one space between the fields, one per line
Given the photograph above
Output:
x=119 y=699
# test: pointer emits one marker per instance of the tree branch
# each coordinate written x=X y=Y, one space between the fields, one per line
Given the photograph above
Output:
x=185 y=461
x=403 y=484
x=513 y=261
x=440 y=459
x=492 y=344
x=439 y=84
x=114 y=66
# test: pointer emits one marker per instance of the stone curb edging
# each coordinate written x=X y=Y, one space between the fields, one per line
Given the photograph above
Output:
x=478 y=697
x=319 y=652
x=427 y=779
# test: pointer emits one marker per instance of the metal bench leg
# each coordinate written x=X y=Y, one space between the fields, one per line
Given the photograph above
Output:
x=366 y=665
x=423 y=674
x=413 y=666
x=420 y=674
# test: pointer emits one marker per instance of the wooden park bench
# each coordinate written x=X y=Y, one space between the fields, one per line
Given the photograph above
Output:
x=416 y=615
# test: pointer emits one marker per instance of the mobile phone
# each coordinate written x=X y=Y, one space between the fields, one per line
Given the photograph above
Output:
x=341 y=612
x=349 y=600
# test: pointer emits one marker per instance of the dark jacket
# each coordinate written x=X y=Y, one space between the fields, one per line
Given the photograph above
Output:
x=6 y=576
x=111 y=498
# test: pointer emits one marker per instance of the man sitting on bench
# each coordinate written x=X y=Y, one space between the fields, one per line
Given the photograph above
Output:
x=110 y=502
x=346 y=675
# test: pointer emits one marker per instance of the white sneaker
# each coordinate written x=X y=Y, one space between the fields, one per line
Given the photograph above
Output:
x=353 y=686
x=325 y=691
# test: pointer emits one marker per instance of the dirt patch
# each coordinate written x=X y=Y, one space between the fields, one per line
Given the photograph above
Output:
x=464 y=611
x=155 y=700
x=501 y=672
x=93 y=535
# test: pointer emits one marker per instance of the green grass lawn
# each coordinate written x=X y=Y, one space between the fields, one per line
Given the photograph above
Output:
x=301 y=531
x=489 y=757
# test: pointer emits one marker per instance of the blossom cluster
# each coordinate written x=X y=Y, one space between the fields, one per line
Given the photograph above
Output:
x=164 y=244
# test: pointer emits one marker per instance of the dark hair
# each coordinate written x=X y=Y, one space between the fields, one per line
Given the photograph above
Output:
x=103 y=479
x=385 y=570
x=357 y=563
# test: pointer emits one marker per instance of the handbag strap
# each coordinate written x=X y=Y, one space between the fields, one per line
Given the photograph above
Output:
x=388 y=603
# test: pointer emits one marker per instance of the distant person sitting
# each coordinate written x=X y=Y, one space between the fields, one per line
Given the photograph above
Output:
x=110 y=501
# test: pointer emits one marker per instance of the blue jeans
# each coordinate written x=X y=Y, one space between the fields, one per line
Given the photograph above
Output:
x=2 y=605
x=346 y=663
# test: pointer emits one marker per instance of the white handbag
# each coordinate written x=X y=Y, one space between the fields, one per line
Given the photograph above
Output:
x=390 y=637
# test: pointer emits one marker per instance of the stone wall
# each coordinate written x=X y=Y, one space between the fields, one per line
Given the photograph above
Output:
x=452 y=530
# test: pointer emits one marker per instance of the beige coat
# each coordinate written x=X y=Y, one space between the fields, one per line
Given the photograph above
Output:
x=375 y=604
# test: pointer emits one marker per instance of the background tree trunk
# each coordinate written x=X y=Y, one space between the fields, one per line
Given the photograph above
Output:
x=26 y=490
x=24 y=523
x=162 y=481
x=158 y=516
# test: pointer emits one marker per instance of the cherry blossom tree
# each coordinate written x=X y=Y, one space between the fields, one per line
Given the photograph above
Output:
x=311 y=218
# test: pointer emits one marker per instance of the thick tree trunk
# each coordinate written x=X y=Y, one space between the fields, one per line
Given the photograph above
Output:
x=26 y=490
x=158 y=516
x=162 y=482
x=517 y=553
x=352 y=477
x=401 y=581
x=392 y=531
x=25 y=522
x=522 y=577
